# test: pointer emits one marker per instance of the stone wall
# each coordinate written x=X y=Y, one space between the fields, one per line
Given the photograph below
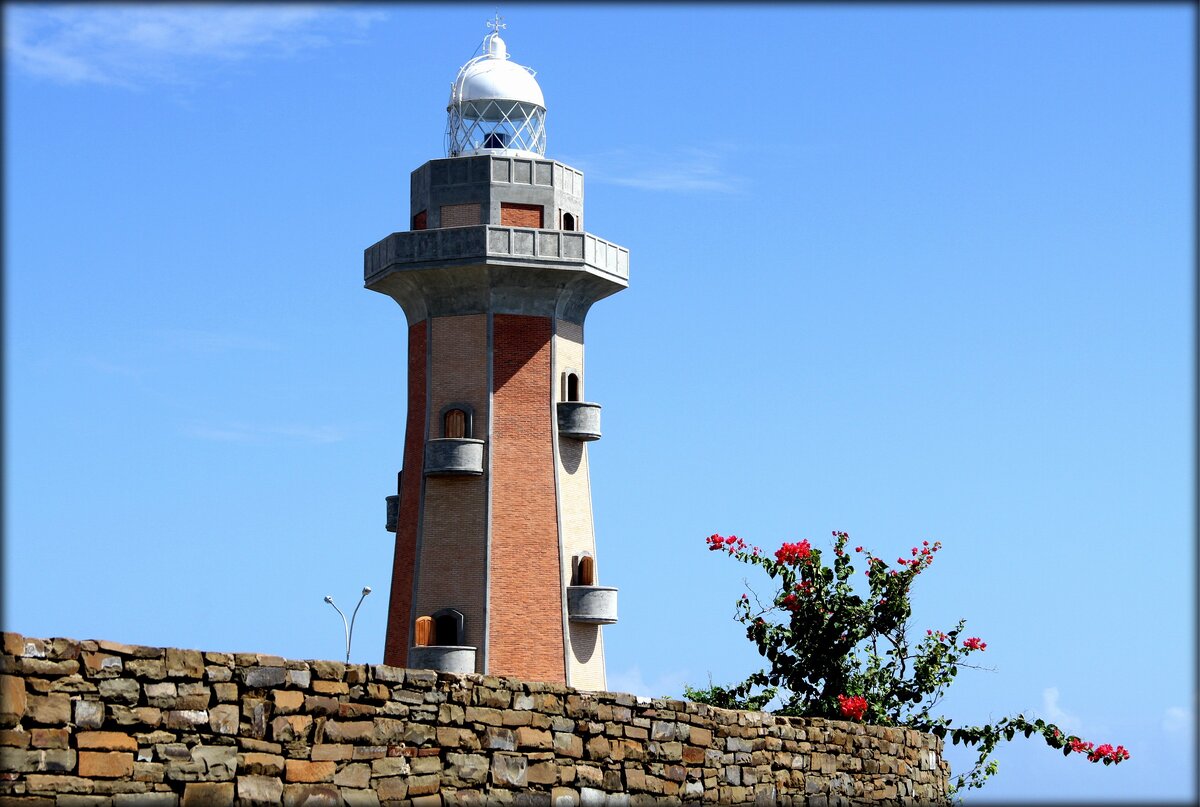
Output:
x=100 y=723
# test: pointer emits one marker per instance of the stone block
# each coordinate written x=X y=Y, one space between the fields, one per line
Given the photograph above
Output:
x=156 y=799
x=329 y=670
x=564 y=797
x=259 y=764
x=259 y=790
x=338 y=731
x=287 y=701
x=57 y=783
x=542 y=773
x=207 y=794
x=533 y=738
x=186 y=718
x=226 y=693
x=220 y=761
x=509 y=770
x=105 y=741
x=466 y=769
x=301 y=678
x=299 y=770
x=148 y=771
x=292 y=727
x=16 y=738
x=263 y=677
x=311 y=796
x=499 y=739
x=120 y=690
x=224 y=718
x=320 y=706
x=153 y=669
x=184 y=663
x=424 y=785
x=392 y=788
x=215 y=673
x=390 y=766
x=369 y=752
x=49 y=738
x=701 y=737
x=322 y=687
x=597 y=748
x=101 y=665
x=488 y=717
x=568 y=745
x=105 y=764
x=89 y=714
x=360 y=798
x=48 y=709
x=357 y=774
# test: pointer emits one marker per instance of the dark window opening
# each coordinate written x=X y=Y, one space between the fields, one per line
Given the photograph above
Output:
x=572 y=387
x=495 y=140
x=448 y=627
x=568 y=221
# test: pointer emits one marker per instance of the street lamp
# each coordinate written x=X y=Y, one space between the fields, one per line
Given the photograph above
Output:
x=349 y=626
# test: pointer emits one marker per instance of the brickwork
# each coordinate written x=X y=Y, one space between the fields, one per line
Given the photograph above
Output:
x=525 y=604
x=399 y=605
x=107 y=725
x=513 y=214
x=453 y=569
x=467 y=215
x=585 y=659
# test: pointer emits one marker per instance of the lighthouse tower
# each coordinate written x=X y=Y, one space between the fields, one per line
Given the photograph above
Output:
x=495 y=568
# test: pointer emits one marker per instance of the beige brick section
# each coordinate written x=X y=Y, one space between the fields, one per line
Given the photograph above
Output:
x=454 y=538
x=585 y=662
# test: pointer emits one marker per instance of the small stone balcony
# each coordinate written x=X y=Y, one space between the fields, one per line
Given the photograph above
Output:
x=579 y=420
x=453 y=456
x=594 y=605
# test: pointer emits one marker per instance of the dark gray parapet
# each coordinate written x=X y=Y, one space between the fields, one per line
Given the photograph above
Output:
x=596 y=605
x=504 y=270
x=453 y=456
x=579 y=420
x=457 y=659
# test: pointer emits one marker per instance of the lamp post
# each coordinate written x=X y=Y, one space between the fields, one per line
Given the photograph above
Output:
x=349 y=626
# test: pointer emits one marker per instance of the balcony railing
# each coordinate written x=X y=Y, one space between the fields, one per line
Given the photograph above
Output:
x=579 y=420
x=453 y=456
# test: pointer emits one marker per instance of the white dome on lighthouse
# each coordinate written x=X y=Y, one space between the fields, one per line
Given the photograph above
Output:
x=495 y=77
x=496 y=106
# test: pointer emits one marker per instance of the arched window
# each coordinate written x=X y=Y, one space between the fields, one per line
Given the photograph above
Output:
x=447 y=627
x=585 y=570
x=454 y=423
x=568 y=221
x=572 y=387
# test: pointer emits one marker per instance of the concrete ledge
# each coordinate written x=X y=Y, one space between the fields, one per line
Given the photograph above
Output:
x=595 y=605
x=453 y=456
x=579 y=420
x=456 y=659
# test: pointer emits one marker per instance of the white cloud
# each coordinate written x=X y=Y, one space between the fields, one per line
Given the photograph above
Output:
x=685 y=170
x=631 y=680
x=1056 y=714
x=258 y=434
x=131 y=45
x=1178 y=720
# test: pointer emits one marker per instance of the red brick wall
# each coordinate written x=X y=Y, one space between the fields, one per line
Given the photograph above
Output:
x=513 y=214
x=395 y=648
x=525 y=607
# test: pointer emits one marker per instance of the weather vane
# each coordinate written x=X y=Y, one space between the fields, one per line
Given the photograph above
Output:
x=496 y=24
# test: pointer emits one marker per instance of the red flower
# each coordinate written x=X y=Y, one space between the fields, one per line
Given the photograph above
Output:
x=973 y=643
x=853 y=707
x=792 y=554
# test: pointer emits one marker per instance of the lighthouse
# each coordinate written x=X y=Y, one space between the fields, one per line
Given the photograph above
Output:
x=495 y=567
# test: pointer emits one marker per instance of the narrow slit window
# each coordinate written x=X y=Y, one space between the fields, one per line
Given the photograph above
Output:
x=568 y=221
x=572 y=387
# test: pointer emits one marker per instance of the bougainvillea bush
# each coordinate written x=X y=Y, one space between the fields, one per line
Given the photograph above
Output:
x=834 y=653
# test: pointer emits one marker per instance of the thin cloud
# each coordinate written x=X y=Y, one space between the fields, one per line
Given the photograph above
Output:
x=1177 y=720
x=687 y=170
x=130 y=46
x=260 y=435
x=1055 y=713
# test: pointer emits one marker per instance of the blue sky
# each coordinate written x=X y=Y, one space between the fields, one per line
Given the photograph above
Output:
x=909 y=272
